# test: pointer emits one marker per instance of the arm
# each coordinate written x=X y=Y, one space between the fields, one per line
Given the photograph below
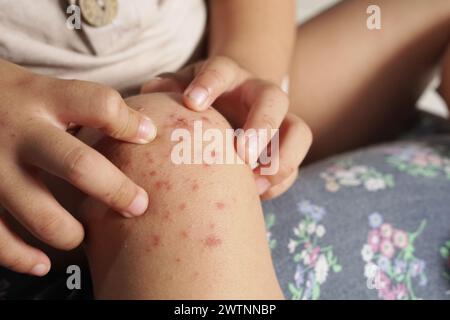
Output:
x=257 y=34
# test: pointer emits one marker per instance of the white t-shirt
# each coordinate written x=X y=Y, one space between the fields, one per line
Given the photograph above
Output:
x=147 y=37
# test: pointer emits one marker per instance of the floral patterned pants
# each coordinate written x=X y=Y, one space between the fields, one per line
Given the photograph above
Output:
x=371 y=224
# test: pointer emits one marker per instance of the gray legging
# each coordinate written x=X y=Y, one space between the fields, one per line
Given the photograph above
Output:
x=372 y=224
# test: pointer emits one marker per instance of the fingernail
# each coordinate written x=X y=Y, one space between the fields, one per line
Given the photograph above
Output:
x=262 y=185
x=138 y=205
x=198 y=96
x=147 y=130
x=40 y=270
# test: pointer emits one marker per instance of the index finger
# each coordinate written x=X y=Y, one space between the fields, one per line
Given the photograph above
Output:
x=66 y=157
x=96 y=106
x=268 y=106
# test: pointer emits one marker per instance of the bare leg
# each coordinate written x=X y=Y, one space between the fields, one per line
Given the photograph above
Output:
x=444 y=89
x=354 y=86
x=203 y=235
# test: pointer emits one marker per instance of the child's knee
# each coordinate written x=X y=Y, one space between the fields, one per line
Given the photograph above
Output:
x=188 y=203
x=198 y=219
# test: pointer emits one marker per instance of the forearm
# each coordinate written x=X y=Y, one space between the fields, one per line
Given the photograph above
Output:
x=257 y=34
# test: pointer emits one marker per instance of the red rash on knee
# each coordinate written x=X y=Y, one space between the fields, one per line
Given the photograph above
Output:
x=160 y=184
x=167 y=216
x=220 y=205
x=212 y=241
x=205 y=119
x=184 y=234
x=155 y=240
x=126 y=164
x=179 y=122
x=182 y=206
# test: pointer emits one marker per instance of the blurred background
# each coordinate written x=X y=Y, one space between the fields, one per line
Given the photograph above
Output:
x=430 y=101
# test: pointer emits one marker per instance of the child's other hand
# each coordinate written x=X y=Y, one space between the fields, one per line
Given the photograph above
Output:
x=35 y=112
x=248 y=103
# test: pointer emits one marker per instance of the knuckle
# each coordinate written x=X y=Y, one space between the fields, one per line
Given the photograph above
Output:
x=15 y=262
x=70 y=83
x=108 y=103
x=271 y=122
x=4 y=249
x=301 y=127
x=48 y=227
x=212 y=75
x=122 y=195
x=226 y=62
x=77 y=163
x=284 y=171
x=306 y=132
x=277 y=95
x=54 y=230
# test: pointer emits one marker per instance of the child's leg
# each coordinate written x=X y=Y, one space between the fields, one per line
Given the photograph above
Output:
x=353 y=85
x=203 y=235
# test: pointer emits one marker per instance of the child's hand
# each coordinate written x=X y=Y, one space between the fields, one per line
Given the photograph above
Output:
x=35 y=112
x=247 y=103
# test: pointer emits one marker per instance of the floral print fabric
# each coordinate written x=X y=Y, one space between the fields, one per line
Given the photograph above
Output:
x=347 y=174
x=390 y=264
x=420 y=160
x=314 y=260
x=373 y=224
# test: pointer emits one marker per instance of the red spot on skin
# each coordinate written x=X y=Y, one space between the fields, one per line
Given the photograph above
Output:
x=195 y=186
x=155 y=240
x=182 y=206
x=212 y=241
x=220 y=205
x=212 y=225
x=184 y=234
x=167 y=216
x=195 y=274
x=179 y=122
x=148 y=155
x=158 y=184
x=163 y=184
x=177 y=259
x=152 y=173
x=205 y=119
x=126 y=164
